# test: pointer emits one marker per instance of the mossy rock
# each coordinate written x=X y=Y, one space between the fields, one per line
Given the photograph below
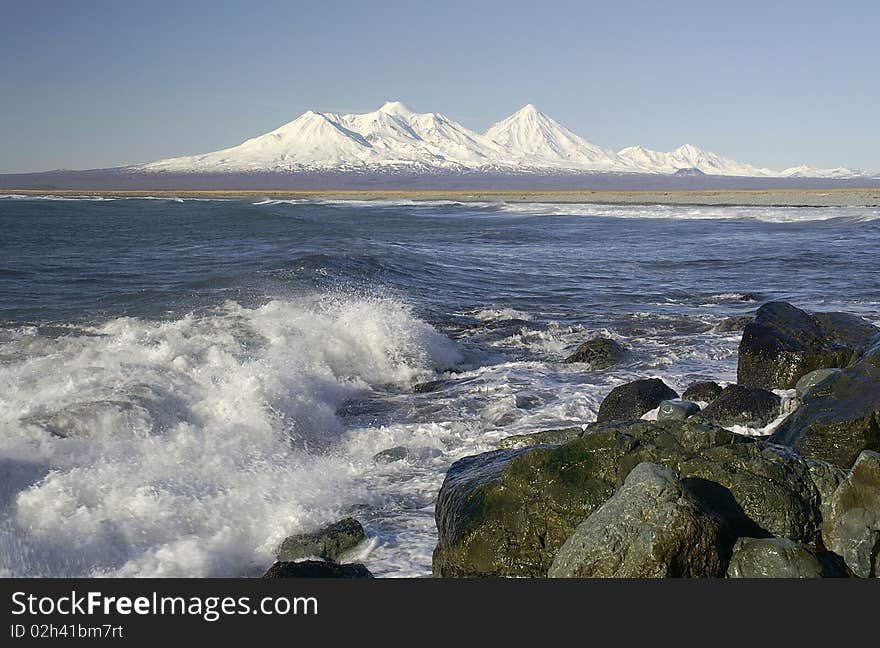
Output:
x=784 y=343
x=838 y=418
x=652 y=527
x=598 y=353
x=329 y=542
x=545 y=437
x=634 y=399
x=507 y=512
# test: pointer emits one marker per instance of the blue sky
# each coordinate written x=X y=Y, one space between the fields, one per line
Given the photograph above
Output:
x=90 y=84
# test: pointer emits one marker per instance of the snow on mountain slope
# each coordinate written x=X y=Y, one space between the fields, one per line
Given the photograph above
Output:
x=804 y=171
x=534 y=139
x=407 y=136
x=311 y=139
x=394 y=137
x=689 y=157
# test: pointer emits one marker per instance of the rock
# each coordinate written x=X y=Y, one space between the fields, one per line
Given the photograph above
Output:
x=634 y=399
x=772 y=558
x=390 y=455
x=852 y=527
x=751 y=407
x=598 y=353
x=507 y=512
x=316 y=569
x=705 y=391
x=677 y=410
x=838 y=418
x=547 y=437
x=495 y=519
x=650 y=528
x=730 y=324
x=430 y=386
x=329 y=542
x=784 y=343
x=810 y=380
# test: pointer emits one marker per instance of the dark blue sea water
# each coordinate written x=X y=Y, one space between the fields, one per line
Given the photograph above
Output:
x=183 y=383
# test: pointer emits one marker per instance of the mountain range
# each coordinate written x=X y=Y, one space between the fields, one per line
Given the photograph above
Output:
x=396 y=138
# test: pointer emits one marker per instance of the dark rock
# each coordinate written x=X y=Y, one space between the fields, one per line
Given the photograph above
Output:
x=528 y=401
x=634 y=399
x=650 y=528
x=852 y=526
x=838 y=418
x=810 y=380
x=772 y=558
x=399 y=453
x=316 y=569
x=430 y=386
x=739 y=405
x=705 y=391
x=677 y=410
x=598 y=353
x=730 y=324
x=547 y=437
x=784 y=343
x=390 y=455
x=328 y=543
x=507 y=512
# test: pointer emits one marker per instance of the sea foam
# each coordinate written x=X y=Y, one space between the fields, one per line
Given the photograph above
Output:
x=191 y=447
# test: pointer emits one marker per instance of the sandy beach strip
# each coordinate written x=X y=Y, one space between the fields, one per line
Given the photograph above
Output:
x=849 y=197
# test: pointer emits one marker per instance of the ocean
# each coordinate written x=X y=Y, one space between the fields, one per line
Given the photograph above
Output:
x=184 y=383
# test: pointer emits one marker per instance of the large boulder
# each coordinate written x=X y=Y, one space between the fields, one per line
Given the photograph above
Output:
x=634 y=399
x=704 y=391
x=316 y=569
x=507 y=512
x=751 y=407
x=772 y=558
x=839 y=417
x=784 y=343
x=598 y=353
x=650 y=528
x=852 y=525
x=501 y=513
x=329 y=542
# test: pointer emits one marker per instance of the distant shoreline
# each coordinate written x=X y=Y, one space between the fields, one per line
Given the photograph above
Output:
x=846 y=197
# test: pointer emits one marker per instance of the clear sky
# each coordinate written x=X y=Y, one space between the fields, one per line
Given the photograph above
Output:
x=87 y=84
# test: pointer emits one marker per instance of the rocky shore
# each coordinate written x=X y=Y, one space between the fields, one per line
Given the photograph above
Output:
x=664 y=487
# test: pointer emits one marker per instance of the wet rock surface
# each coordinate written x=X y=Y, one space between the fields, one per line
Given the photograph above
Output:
x=598 y=353
x=506 y=513
x=751 y=407
x=772 y=558
x=650 y=528
x=838 y=417
x=784 y=343
x=852 y=525
x=634 y=399
x=329 y=542
x=705 y=391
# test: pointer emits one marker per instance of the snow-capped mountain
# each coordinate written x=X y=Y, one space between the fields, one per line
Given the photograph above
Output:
x=394 y=137
x=532 y=139
x=690 y=157
x=804 y=171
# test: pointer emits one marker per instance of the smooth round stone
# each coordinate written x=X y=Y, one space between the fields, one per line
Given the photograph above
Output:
x=677 y=410
x=810 y=380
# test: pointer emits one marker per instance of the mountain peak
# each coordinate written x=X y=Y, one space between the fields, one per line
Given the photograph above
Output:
x=396 y=108
x=528 y=109
x=395 y=137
